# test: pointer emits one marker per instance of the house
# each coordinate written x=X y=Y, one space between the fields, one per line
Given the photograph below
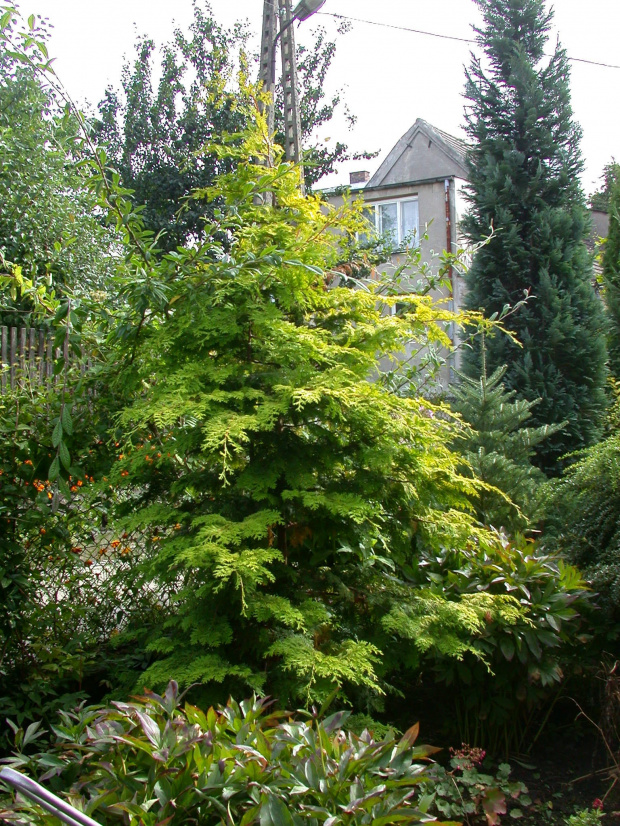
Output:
x=416 y=195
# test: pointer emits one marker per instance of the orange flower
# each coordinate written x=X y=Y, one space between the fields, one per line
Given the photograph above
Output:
x=28 y=462
x=115 y=543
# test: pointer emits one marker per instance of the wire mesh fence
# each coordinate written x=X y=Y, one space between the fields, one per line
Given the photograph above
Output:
x=92 y=576
x=87 y=588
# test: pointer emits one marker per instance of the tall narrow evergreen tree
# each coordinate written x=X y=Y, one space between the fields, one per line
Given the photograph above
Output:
x=611 y=270
x=524 y=168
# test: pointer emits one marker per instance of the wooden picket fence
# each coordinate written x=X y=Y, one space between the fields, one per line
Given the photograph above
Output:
x=26 y=356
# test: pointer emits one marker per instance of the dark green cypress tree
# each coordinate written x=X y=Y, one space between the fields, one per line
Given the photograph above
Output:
x=611 y=271
x=524 y=168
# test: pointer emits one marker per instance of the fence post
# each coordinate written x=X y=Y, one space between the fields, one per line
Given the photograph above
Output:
x=32 y=370
x=21 y=363
x=41 y=355
x=4 y=335
x=13 y=356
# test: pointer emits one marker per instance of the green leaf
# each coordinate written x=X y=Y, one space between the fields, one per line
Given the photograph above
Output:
x=274 y=813
x=335 y=721
x=57 y=434
x=507 y=647
x=32 y=732
x=61 y=313
x=64 y=455
x=54 y=470
x=67 y=421
x=494 y=805
x=150 y=728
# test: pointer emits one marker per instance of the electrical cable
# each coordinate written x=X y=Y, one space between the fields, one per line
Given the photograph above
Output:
x=445 y=36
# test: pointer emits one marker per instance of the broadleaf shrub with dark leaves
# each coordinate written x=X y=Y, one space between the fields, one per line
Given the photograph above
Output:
x=151 y=762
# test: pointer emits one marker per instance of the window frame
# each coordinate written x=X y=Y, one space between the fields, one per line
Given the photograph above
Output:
x=376 y=207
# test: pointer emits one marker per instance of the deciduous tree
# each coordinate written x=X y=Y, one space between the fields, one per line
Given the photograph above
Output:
x=156 y=134
x=48 y=225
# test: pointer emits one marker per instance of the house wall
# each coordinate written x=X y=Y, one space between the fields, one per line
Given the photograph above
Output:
x=431 y=196
x=600 y=224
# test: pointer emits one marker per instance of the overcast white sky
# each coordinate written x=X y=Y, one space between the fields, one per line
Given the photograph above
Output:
x=389 y=77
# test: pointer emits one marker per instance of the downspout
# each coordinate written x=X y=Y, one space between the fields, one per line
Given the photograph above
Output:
x=451 y=360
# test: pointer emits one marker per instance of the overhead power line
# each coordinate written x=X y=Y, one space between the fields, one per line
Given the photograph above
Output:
x=445 y=36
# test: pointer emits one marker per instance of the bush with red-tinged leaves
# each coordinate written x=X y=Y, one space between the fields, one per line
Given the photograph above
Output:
x=151 y=761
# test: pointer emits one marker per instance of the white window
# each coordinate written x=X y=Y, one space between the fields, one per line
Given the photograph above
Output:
x=396 y=221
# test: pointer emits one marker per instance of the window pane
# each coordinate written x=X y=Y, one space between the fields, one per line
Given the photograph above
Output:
x=409 y=225
x=388 y=221
x=369 y=215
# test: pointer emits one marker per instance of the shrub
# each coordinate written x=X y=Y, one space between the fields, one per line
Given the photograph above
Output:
x=496 y=626
x=465 y=791
x=150 y=761
x=584 y=518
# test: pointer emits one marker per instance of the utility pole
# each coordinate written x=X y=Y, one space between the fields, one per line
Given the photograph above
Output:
x=292 y=121
x=267 y=73
x=278 y=19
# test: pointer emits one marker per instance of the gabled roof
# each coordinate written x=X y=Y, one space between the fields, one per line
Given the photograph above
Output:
x=423 y=152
